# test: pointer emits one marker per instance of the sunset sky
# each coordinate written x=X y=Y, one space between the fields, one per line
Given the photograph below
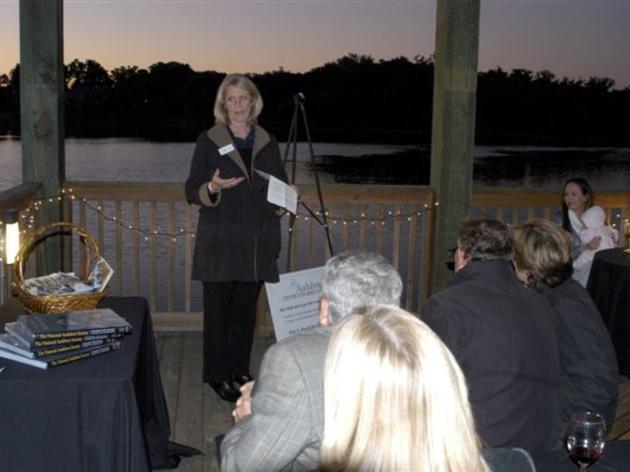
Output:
x=574 y=38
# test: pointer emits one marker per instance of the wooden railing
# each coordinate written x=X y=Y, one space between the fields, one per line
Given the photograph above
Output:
x=146 y=230
x=131 y=219
x=130 y=222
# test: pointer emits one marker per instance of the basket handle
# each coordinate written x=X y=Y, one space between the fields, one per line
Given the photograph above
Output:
x=25 y=248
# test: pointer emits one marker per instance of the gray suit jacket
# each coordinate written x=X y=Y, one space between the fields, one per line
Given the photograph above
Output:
x=285 y=428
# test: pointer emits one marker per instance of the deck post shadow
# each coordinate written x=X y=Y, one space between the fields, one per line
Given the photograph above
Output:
x=453 y=127
x=42 y=112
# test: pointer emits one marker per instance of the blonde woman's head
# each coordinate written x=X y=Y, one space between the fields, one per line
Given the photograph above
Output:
x=542 y=253
x=242 y=82
x=395 y=398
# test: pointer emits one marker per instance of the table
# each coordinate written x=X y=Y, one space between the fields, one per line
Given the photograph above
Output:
x=609 y=285
x=104 y=414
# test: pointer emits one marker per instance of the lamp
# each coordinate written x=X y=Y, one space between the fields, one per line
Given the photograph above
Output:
x=11 y=235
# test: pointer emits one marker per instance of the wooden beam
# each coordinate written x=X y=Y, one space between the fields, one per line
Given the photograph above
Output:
x=452 y=136
x=42 y=110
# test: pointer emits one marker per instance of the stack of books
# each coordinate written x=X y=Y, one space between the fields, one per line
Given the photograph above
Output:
x=50 y=340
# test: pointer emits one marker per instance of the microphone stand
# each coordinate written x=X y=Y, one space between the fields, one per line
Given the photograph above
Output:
x=322 y=219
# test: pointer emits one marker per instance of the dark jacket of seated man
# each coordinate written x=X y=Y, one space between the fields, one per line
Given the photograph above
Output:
x=587 y=356
x=503 y=337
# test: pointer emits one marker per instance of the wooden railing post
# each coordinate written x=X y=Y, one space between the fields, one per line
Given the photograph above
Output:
x=453 y=128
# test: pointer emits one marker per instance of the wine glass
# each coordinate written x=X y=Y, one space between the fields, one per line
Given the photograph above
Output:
x=585 y=438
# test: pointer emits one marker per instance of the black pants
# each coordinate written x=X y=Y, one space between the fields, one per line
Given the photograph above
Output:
x=229 y=318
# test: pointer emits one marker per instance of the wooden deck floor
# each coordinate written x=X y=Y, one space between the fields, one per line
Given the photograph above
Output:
x=197 y=414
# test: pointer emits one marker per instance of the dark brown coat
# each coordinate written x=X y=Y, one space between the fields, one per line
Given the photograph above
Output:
x=238 y=233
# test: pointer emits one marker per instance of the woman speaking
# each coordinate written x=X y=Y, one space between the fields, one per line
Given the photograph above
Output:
x=238 y=232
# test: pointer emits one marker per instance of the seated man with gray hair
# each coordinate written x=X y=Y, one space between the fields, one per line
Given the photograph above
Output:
x=282 y=426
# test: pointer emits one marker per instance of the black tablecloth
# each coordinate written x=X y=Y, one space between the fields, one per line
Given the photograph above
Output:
x=609 y=285
x=107 y=413
x=615 y=458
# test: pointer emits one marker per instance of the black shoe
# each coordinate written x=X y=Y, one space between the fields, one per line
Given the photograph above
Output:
x=241 y=379
x=226 y=391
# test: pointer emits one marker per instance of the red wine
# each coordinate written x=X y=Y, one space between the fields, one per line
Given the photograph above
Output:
x=585 y=455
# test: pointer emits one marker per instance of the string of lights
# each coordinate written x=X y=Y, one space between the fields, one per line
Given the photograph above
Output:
x=29 y=213
x=28 y=217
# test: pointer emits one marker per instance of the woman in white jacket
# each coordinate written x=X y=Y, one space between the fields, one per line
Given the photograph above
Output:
x=593 y=225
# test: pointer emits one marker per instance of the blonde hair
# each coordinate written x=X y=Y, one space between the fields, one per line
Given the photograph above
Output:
x=543 y=249
x=242 y=82
x=395 y=398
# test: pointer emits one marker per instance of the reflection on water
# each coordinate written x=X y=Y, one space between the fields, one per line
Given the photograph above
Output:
x=404 y=167
x=605 y=168
x=494 y=166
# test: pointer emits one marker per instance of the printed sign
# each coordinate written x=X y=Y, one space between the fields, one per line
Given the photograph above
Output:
x=294 y=301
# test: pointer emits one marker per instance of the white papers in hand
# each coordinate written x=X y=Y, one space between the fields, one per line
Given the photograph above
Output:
x=282 y=195
x=279 y=193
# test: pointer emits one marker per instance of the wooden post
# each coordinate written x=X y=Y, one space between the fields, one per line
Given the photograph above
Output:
x=42 y=112
x=452 y=138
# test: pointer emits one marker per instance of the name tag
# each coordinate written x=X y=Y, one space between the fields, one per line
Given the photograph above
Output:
x=226 y=149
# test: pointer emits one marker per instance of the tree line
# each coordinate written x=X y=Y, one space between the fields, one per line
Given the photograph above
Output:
x=354 y=98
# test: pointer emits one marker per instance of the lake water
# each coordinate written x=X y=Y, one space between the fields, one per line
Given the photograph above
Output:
x=122 y=159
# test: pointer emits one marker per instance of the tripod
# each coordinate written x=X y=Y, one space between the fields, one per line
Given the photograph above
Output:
x=298 y=100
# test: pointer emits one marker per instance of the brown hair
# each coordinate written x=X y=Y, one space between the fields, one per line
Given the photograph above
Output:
x=543 y=249
x=485 y=240
x=586 y=189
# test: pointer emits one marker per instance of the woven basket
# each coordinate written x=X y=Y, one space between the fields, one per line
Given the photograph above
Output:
x=55 y=303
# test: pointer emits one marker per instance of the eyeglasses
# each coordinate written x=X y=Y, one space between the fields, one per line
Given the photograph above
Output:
x=451 y=252
x=450 y=263
x=233 y=101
